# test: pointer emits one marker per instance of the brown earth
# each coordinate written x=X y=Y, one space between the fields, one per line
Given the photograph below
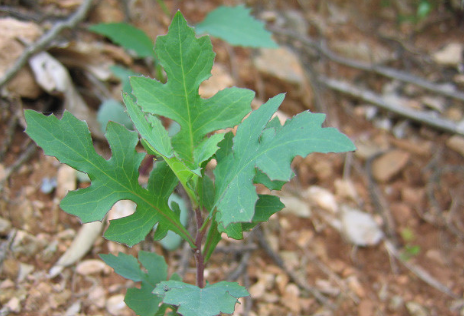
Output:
x=414 y=194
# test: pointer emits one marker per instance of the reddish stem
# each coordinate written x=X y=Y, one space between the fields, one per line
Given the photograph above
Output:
x=198 y=255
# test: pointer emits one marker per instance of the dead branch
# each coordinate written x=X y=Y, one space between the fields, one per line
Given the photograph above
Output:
x=42 y=43
x=10 y=129
x=373 y=98
x=25 y=156
x=381 y=70
x=419 y=272
x=380 y=203
x=280 y=262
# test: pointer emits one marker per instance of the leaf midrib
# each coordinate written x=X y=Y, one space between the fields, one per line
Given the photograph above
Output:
x=136 y=193
x=253 y=159
x=185 y=92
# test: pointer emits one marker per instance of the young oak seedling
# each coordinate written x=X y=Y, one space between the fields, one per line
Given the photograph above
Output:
x=260 y=152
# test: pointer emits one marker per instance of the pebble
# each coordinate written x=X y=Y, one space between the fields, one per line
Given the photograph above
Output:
x=24 y=271
x=345 y=188
x=326 y=287
x=257 y=290
x=2 y=172
x=323 y=169
x=412 y=196
x=281 y=282
x=365 y=52
x=65 y=181
x=5 y=226
x=295 y=206
x=456 y=143
x=437 y=256
x=48 y=185
x=449 y=55
x=7 y=284
x=26 y=244
x=290 y=298
x=281 y=63
x=396 y=303
x=454 y=113
x=359 y=227
x=219 y=80
x=304 y=238
x=74 y=309
x=115 y=305
x=416 y=309
x=435 y=103
x=60 y=299
x=366 y=308
x=389 y=165
x=291 y=259
x=91 y=266
x=97 y=296
x=23 y=84
x=322 y=198
x=355 y=286
x=14 y=305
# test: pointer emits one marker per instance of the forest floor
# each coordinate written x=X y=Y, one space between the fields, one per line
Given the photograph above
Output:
x=316 y=257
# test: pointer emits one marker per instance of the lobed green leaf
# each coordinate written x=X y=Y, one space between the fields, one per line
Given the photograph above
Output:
x=187 y=61
x=112 y=180
x=269 y=150
x=141 y=300
x=127 y=36
x=236 y=26
x=211 y=300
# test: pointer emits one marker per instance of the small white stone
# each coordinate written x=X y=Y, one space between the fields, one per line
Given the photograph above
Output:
x=97 y=296
x=65 y=181
x=450 y=55
x=322 y=198
x=115 y=305
x=295 y=206
x=24 y=271
x=91 y=266
x=14 y=305
x=74 y=309
x=416 y=309
x=359 y=227
x=5 y=226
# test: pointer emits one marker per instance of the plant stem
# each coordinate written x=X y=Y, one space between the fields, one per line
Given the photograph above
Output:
x=199 y=259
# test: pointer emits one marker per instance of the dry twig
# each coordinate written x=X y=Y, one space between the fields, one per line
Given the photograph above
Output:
x=381 y=70
x=436 y=215
x=419 y=272
x=380 y=204
x=25 y=156
x=373 y=98
x=9 y=132
x=42 y=43
x=280 y=262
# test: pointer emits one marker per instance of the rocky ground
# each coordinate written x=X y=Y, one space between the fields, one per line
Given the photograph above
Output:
x=375 y=232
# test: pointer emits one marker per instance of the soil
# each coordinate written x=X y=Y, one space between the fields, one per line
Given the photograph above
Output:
x=423 y=197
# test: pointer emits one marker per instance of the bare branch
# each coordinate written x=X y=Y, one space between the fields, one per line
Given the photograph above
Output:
x=373 y=98
x=384 y=71
x=45 y=40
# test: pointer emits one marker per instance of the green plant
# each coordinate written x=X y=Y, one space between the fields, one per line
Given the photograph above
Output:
x=234 y=25
x=410 y=250
x=412 y=11
x=260 y=152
